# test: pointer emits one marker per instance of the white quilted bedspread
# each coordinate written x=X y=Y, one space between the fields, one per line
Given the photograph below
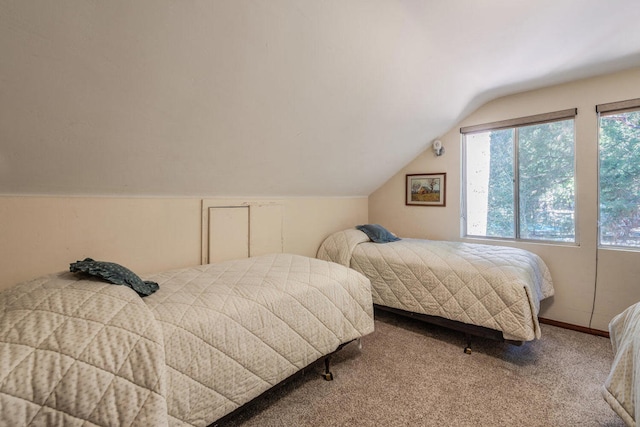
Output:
x=622 y=387
x=491 y=286
x=82 y=352
x=79 y=353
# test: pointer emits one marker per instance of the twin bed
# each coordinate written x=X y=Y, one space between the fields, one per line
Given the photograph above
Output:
x=493 y=291
x=78 y=351
x=621 y=389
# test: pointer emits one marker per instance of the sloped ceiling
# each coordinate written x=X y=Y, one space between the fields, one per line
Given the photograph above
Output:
x=270 y=97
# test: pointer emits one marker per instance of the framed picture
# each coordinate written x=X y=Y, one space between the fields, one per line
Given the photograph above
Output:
x=426 y=189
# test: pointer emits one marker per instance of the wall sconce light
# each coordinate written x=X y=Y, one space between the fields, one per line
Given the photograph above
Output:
x=438 y=149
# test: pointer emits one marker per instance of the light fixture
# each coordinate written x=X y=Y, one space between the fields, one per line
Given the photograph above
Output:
x=438 y=148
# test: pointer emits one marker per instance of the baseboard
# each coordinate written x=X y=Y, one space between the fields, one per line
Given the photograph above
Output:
x=574 y=327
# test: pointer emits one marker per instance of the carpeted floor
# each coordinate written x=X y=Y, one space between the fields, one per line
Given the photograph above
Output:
x=412 y=374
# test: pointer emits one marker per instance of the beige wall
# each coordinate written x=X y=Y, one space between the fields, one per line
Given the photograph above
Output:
x=573 y=267
x=41 y=235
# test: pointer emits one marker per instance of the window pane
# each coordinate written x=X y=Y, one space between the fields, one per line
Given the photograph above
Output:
x=489 y=177
x=620 y=179
x=543 y=155
x=546 y=181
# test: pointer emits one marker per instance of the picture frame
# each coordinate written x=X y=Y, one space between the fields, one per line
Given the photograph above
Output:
x=426 y=189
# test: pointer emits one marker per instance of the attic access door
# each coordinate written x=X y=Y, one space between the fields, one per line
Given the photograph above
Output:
x=241 y=231
x=228 y=233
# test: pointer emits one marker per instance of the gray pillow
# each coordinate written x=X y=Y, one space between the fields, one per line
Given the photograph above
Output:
x=114 y=273
x=377 y=233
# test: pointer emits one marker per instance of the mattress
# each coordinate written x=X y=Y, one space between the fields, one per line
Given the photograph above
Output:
x=495 y=287
x=77 y=351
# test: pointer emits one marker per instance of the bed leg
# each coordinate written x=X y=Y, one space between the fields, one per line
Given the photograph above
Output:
x=467 y=338
x=328 y=376
x=359 y=343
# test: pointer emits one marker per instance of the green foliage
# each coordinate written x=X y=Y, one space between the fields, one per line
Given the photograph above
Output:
x=500 y=219
x=620 y=178
x=545 y=182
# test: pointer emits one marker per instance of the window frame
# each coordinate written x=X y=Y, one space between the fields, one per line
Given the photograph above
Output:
x=604 y=110
x=515 y=125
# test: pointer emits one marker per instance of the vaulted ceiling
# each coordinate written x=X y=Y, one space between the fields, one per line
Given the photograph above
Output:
x=271 y=97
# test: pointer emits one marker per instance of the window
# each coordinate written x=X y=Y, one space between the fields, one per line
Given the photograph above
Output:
x=619 y=174
x=519 y=178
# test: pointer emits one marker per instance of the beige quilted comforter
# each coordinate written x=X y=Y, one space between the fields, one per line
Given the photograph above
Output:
x=83 y=352
x=490 y=286
x=622 y=387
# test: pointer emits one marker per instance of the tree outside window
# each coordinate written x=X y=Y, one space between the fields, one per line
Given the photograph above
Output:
x=619 y=171
x=520 y=182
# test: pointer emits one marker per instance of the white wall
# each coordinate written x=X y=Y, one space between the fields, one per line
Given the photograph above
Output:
x=573 y=267
x=214 y=98
x=41 y=235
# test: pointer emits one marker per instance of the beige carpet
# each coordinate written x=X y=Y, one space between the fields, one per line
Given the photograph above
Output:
x=412 y=374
